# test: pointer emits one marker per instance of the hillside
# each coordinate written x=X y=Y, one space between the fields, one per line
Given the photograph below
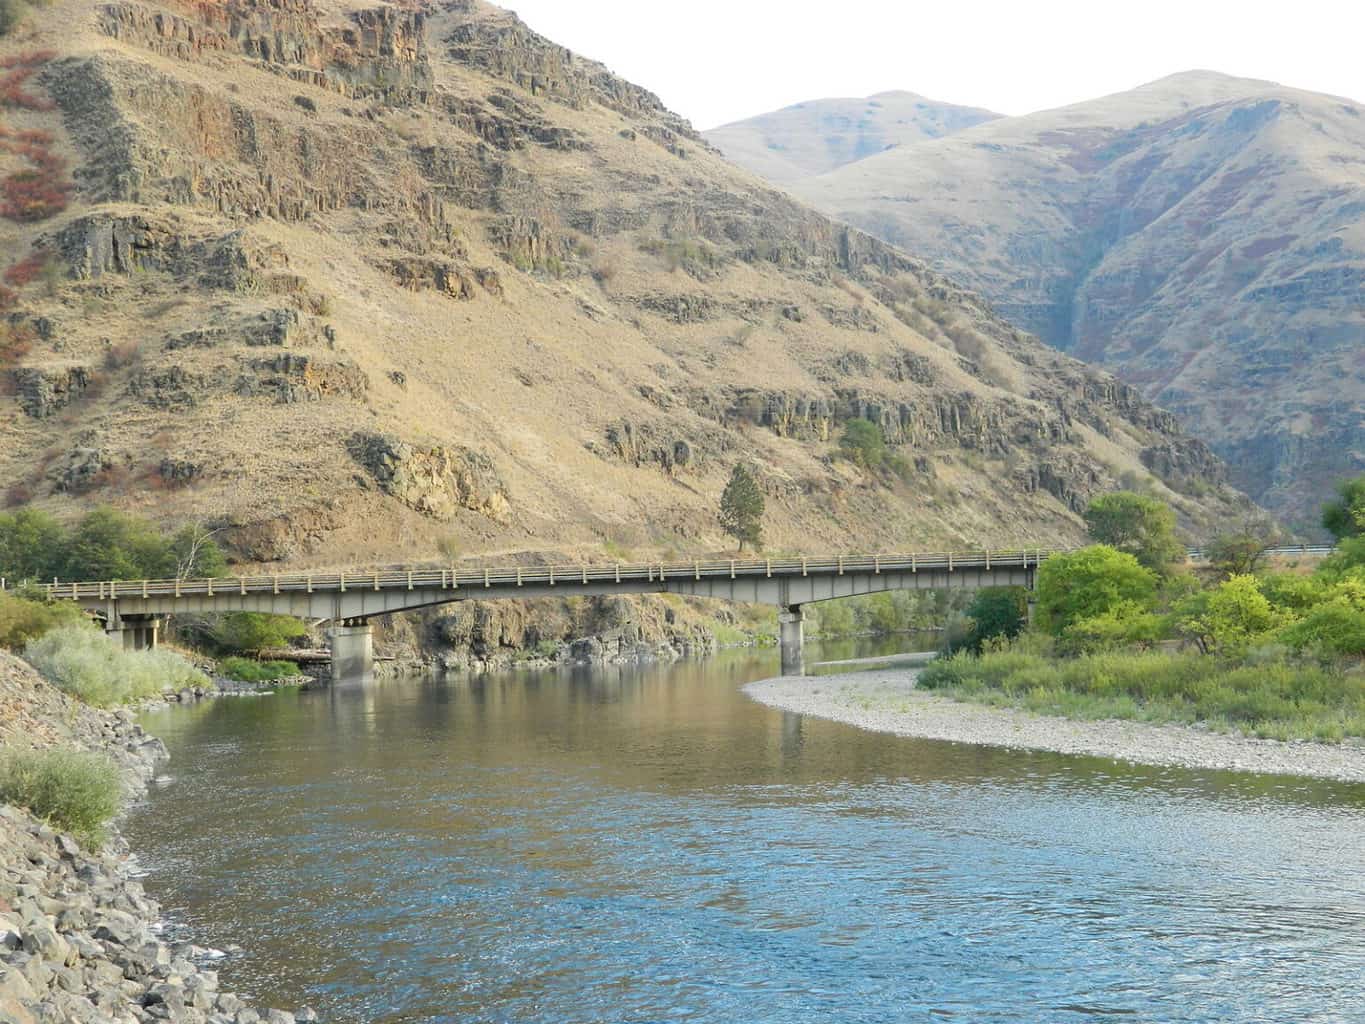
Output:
x=801 y=141
x=358 y=282
x=1201 y=236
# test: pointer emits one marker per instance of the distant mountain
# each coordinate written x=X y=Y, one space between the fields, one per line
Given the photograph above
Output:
x=1203 y=236
x=807 y=139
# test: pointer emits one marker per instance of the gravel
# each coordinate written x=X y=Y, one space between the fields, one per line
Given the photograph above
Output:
x=887 y=701
x=79 y=938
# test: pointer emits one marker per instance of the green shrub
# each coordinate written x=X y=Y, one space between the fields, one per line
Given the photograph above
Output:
x=22 y=620
x=249 y=632
x=88 y=665
x=863 y=443
x=248 y=671
x=1090 y=583
x=72 y=791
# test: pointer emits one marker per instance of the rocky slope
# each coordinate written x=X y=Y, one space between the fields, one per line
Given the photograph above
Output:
x=801 y=141
x=361 y=282
x=1202 y=236
x=80 y=942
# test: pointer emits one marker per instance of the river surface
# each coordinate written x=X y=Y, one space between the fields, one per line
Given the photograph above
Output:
x=646 y=844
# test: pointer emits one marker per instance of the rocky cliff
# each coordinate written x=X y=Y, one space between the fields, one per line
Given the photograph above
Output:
x=1201 y=236
x=363 y=282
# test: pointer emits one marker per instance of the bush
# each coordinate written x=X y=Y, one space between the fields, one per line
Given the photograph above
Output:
x=247 y=670
x=1345 y=515
x=87 y=664
x=999 y=611
x=863 y=443
x=72 y=791
x=1090 y=583
x=22 y=620
x=249 y=632
x=1230 y=617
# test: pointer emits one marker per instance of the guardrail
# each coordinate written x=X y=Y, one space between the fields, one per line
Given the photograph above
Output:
x=566 y=575
x=1314 y=550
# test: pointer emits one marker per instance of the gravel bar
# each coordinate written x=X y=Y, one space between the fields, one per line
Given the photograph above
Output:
x=887 y=701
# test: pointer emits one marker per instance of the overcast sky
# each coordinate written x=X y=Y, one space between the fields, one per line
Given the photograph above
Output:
x=717 y=61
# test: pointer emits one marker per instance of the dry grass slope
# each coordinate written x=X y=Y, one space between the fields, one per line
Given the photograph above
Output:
x=365 y=282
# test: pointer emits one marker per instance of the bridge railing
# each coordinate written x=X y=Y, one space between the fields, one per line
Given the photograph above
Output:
x=455 y=579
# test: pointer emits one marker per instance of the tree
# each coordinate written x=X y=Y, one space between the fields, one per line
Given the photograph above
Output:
x=1345 y=515
x=249 y=632
x=1229 y=617
x=1241 y=551
x=1140 y=525
x=997 y=612
x=1089 y=583
x=32 y=545
x=741 y=508
x=196 y=554
x=863 y=443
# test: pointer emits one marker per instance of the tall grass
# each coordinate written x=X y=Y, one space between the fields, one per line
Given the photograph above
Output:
x=73 y=791
x=1280 y=699
x=88 y=665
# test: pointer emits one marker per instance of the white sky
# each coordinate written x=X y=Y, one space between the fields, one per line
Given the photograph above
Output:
x=716 y=61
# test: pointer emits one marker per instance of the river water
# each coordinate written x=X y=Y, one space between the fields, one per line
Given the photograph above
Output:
x=646 y=844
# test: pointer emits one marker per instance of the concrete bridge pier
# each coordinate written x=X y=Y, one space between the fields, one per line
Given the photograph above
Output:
x=136 y=632
x=791 y=622
x=352 y=650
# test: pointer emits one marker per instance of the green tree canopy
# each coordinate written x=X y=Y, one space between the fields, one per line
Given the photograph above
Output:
x=1345 y=515
x=997 y=612
x=103 y=545
x=1089 y=583
x=741 y=508
x=249 y=632
x=1137 y=524
x=862 y=442
x=32 y=545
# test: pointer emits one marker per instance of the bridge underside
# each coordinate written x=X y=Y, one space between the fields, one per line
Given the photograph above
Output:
x=350 y=610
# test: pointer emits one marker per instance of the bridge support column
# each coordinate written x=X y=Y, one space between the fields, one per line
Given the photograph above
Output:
x=791 y=622
x=352 y=650
x=137 y=632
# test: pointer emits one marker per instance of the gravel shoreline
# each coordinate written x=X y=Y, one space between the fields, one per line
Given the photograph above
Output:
x=80 y=942
x=887 y=701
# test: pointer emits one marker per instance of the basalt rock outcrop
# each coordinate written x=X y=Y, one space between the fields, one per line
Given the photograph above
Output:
x=397 y=279
x=434 y=480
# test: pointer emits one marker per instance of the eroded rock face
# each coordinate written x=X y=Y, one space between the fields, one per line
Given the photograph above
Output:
x=43 y=390
x=436 y=480
x=80 y=470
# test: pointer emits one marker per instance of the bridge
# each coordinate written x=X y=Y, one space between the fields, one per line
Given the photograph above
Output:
x=135 y=611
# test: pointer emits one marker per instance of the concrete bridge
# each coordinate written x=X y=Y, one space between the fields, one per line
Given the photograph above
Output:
x=136 y=610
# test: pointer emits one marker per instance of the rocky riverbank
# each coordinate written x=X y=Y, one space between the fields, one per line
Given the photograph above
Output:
x=887 y=701
x=79 y=939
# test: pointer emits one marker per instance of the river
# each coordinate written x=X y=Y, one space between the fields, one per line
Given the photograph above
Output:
x=646 y=844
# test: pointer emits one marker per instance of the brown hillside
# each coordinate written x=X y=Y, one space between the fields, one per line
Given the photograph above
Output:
x=368 y=282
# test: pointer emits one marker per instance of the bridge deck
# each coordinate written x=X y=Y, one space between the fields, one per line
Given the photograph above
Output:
x=539 y=576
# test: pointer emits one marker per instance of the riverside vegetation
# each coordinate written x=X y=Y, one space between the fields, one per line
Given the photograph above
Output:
x=1127 y=634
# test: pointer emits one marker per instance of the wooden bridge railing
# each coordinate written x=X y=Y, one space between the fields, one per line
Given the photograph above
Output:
x=565 y=575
